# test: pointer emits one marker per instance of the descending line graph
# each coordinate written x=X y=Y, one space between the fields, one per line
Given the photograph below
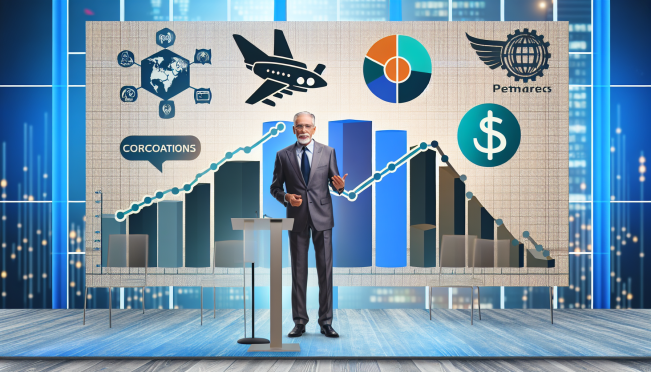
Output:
x=120 y=215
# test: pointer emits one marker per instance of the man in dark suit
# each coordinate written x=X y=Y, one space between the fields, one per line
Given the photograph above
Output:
x=306 y=168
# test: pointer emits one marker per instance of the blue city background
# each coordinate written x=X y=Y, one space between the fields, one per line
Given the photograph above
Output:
x=32 y=89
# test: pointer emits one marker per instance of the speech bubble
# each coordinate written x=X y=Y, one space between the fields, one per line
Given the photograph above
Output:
x=159 y=149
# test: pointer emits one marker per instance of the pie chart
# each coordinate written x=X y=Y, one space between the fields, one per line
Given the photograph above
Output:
x=397 y=68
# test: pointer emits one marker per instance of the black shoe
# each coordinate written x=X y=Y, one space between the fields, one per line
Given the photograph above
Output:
x=298 y=331
x=328 y=331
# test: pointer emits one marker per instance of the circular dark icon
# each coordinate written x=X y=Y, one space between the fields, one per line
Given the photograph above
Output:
x=525 y=55
x=128 y=94
x=125 y=58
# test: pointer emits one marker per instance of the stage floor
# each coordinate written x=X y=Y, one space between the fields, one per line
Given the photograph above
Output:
x=364 y=333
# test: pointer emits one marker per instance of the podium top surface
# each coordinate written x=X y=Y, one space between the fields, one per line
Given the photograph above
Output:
x=261 y=223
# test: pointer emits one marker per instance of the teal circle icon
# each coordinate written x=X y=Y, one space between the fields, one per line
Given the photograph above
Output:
x=489 y=135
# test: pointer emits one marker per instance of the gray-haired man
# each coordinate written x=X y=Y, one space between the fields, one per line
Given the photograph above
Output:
x=307 y=169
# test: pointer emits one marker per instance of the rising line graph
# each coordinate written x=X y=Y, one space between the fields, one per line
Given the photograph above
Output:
x=120 y=215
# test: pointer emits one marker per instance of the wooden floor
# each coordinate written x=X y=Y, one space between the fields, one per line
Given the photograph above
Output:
x=373 y=334
x=289 y=365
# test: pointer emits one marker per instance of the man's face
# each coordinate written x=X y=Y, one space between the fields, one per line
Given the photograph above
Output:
x=304 y=129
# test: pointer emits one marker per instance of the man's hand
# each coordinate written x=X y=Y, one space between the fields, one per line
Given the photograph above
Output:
x=339 y=182
x=294 y=199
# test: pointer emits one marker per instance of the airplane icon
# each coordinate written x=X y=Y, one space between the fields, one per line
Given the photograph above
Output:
x=281 y=73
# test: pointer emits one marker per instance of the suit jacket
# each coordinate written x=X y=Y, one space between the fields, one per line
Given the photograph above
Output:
x=316 y=194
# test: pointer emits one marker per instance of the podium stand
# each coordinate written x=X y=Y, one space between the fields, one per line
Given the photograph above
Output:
x=276 y=227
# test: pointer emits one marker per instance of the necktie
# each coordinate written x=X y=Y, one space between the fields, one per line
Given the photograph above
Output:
x=305 y=166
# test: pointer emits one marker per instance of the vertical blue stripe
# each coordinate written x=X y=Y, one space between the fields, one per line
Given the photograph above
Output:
x=601 y=146
x=59 y=153
x=395 y=11
x=391 y=201
x=280 y=10
x=352 y=235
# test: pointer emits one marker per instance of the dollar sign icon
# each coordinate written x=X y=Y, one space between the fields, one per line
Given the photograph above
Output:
x=501 y=142
x=486 y=126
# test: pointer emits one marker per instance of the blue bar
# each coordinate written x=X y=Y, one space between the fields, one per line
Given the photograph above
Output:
x=395 y=10
x=601 y=144
x=459 y=207
x=145 y=222
x=352 y=236
x=487 y=225
x=422 y=210
x=170 y=233
x=110 y=226
x=237 y=195
x=197 y=226
x=59 y=154
x=390 y=201
x=280 y=10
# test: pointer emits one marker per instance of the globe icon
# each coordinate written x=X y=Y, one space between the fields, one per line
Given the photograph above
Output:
x=525 y=55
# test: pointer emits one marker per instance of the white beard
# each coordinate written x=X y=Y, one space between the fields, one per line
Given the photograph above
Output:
x=304 y=140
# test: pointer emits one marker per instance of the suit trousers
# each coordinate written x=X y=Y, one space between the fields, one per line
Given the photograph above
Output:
x=299 y=243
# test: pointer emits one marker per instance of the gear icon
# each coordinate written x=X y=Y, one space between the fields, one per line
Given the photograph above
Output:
x=525 y=55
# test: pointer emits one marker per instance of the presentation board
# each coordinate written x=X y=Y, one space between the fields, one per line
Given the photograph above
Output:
x=454 y=136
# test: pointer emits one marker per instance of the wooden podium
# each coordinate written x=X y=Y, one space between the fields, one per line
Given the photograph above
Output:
x=276 y=227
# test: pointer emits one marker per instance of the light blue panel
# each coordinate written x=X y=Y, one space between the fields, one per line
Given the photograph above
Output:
x=77 y=144
x=170 y=233
x=390 y=201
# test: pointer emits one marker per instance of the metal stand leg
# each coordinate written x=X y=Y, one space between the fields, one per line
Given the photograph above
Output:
x=110 y=307
x=214 y=304
x=85 y=298
x=551 y=302
x=202 y=305
x=143 y=300
x=430 y=303
x=472 y=304
x=252 y=340
x=479 y=302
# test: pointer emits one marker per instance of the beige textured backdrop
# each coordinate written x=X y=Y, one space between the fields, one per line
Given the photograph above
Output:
x=529 y=192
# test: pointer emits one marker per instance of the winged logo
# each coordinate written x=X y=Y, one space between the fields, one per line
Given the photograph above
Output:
x=524 y=54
